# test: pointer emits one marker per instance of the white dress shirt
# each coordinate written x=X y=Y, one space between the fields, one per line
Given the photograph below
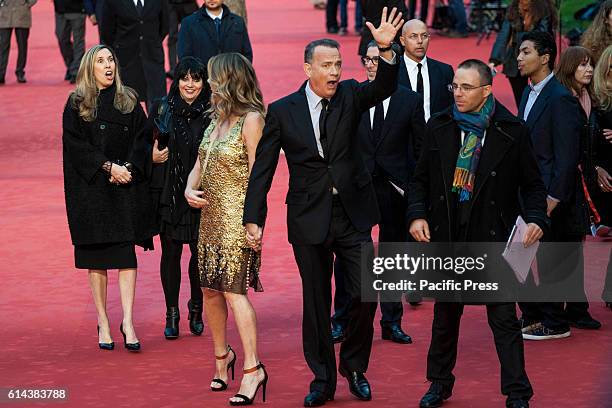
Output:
x=315 y=106
x=534 y=93
x=385 y=108
x=136 y=2
x=413 y=70
x=213 y=16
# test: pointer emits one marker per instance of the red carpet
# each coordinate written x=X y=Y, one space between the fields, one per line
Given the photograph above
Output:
x=47 y=322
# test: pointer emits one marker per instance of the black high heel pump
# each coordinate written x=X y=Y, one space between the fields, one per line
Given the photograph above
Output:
x=129 y=346
x=230 y=365
x=105 y=346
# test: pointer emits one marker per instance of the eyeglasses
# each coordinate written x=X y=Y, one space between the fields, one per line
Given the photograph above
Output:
x=463 y=88
x=422 y=37
x=373 y=60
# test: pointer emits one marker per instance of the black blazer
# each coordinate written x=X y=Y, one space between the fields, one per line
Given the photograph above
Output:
x=137 y=41
x=507 y=166
x=398 y=149
x=440 y=76
x=555 y=126
x=198 y=38
x=309 y=200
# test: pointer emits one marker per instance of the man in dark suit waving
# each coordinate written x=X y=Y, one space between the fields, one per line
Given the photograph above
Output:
x=422 y=74
x=331 y=203
x=390 y=135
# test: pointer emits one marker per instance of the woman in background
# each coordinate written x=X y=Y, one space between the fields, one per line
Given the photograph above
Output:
x=602 y=152
x=178 y=122
x=599 y=34
x=107 y=196
x=229 y=263
x=575 y=72
x=522 y=16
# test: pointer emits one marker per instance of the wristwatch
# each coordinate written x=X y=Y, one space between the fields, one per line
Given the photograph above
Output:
x=386 y=48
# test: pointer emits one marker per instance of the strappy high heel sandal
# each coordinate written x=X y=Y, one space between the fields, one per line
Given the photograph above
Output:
x=230 y=365
x=263 y=383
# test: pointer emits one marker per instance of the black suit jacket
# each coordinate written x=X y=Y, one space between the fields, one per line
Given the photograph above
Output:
x=507 y=165
x=440 y=76
x=555 y=127
x=137 y=41
x=198 y=38
x=398 y=149
x=309 y=200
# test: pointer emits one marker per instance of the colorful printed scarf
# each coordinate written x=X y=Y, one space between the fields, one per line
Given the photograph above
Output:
x=474 y=124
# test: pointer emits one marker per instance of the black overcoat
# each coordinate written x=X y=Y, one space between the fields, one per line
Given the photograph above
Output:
x=98 y=211
x=137 y=41
x=507 y=165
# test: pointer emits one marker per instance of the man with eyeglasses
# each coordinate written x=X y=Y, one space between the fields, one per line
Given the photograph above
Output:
x=424 y=75
x=475 y=162
x=390 y=136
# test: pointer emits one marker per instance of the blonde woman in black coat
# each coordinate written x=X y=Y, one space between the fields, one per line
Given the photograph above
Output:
x=107 y=197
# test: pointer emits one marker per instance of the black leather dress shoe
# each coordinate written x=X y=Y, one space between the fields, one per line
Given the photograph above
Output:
x=517 y=404
x=435 y=396
x=358 y=384
x=338 y=335
x=395 y=334
x=586 y=323
x=414 y=299
x=316 y=399
x=21 y=78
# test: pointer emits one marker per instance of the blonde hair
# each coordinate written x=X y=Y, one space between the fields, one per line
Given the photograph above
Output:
x=236 y=89
x=84 y=97
x=602 y=85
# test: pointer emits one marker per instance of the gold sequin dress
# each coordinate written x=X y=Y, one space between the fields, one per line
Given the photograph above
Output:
x=226 y=262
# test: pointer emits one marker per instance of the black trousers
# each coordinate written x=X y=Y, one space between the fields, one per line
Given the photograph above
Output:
x=392 y=228
x=21 y=34
x=315 y=266
x=555 y=315
x=70 y=33
x=518 y=84
x=508 y=339
x=177 y=12
x=170 y=270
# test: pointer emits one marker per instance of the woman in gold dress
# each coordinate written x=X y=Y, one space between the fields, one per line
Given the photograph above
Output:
x=228 y=264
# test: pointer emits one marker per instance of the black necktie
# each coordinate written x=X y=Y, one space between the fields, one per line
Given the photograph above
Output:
x=377 y=125
x=322 y=130
x=419 y=88
x=139 y=7
x=218 y=27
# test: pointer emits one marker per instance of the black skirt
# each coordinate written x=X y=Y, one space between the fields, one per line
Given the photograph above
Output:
x=119 y=255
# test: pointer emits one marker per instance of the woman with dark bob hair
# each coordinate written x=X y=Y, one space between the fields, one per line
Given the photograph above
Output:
x=177 y=124
x=107 y=195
